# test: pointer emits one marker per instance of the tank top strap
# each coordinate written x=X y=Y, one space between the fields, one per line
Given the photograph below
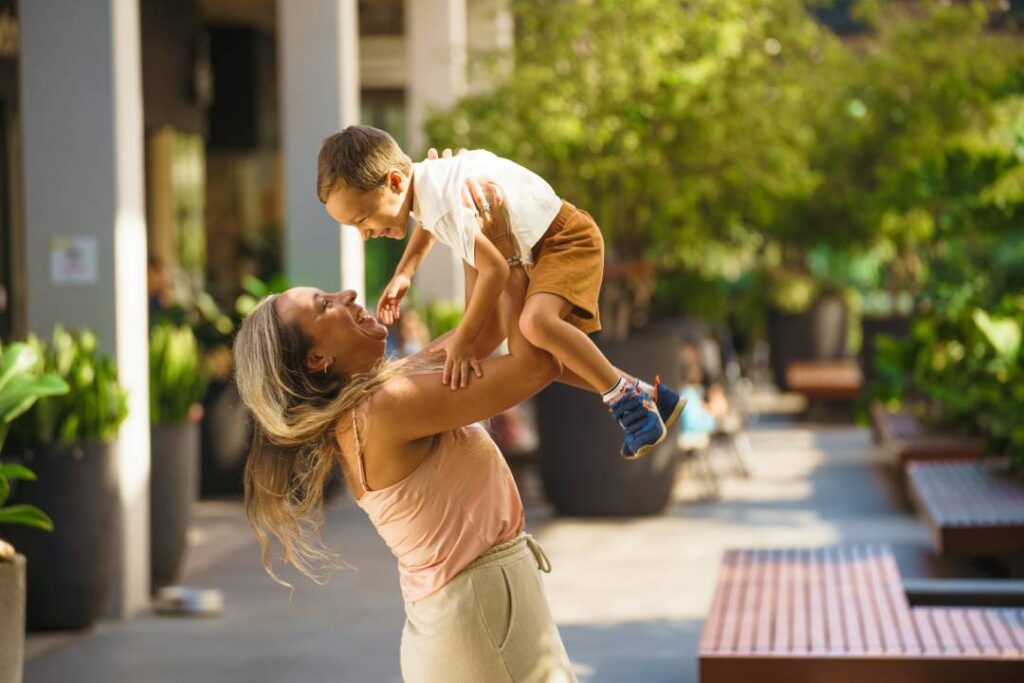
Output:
x=359 y=454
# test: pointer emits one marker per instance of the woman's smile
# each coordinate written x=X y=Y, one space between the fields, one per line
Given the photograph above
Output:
x=368 y=323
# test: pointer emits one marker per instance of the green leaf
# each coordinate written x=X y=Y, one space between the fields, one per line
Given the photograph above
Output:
x=1003 y=334
x=27 y=515
x=11 y=471
x=16 y=359
x=21 y=391
x=254 y=286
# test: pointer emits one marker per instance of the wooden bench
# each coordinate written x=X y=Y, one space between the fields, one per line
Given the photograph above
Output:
x=903 y=440
x=969 y=508
x=839 y=614
x=839 y=380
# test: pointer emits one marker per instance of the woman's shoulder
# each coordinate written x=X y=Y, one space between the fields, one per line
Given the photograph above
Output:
x=388 y=402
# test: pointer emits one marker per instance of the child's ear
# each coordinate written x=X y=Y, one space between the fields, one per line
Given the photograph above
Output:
x=396 y=181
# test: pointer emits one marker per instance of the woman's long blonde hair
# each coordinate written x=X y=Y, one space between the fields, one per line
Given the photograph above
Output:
x=294 y=446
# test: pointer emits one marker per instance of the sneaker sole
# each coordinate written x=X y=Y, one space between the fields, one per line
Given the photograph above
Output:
x=645 y=449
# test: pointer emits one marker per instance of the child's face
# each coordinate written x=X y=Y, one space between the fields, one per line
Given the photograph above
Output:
x=381 y=212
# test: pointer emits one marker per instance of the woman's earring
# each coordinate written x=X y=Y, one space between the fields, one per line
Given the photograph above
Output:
x=328 y=366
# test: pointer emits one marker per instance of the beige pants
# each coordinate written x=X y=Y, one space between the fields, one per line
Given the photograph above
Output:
x=490 y=624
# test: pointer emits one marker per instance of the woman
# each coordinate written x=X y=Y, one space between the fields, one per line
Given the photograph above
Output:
x=311 y=368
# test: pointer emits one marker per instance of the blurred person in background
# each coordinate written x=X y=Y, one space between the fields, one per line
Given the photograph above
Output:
x=707 y=405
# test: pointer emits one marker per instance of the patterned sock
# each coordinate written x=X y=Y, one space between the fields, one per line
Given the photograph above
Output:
x=645 y=387
x=617 y=392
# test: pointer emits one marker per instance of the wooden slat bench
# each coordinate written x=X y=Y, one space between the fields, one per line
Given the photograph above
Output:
x=903 y=440
x=839 y=614
x=969 y=508
x=839 y=380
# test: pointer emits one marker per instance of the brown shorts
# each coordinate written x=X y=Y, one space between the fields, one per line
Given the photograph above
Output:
x=568 y=261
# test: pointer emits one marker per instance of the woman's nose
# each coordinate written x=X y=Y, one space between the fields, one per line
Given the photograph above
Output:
x=348 y=296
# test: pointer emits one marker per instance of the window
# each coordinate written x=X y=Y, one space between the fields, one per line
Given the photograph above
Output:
x=380 y=18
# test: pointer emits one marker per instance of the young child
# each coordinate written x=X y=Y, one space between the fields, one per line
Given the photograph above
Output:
x=366 y=181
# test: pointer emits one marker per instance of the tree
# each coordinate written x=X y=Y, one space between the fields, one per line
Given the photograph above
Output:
x=679 y=126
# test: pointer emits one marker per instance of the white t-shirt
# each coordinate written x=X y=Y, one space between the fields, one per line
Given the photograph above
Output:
x=437 y=200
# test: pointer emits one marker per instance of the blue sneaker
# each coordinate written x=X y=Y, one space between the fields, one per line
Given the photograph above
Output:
x=638 y=415
x=670 y=404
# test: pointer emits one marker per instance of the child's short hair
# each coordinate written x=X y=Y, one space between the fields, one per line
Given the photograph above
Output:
x=361 y=156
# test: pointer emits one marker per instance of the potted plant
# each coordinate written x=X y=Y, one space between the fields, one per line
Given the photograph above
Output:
x=177 y=384
x=69 y=442
x=582 y=472
x=20 y=387
x=807 y=320
x=224 y=427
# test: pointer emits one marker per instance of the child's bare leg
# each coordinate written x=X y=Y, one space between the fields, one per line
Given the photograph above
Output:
x=572 y=379
x=646 y=421
x=511 y=307
x=543 y=324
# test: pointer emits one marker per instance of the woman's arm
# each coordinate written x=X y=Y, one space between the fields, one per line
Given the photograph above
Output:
x=419 y=405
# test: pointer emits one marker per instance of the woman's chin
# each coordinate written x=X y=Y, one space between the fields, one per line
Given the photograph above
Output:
x=374 y=328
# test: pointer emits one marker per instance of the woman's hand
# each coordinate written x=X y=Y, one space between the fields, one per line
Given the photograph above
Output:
x=446 y=153
x=489 y=202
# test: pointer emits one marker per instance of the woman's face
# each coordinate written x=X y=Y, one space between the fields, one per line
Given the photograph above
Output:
x=345 y=338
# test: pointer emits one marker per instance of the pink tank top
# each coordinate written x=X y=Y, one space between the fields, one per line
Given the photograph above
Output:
x=458 y=503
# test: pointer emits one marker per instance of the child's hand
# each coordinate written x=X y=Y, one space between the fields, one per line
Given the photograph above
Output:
x=387 y=308
x=460 y=360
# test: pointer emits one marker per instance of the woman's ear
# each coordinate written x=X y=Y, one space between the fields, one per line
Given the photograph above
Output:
x=315 y=362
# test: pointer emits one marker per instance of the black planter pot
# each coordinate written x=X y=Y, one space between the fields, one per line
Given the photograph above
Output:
x=71 y=570
x=581 y=468
x=897 y=326
x=818 y=333
x=12 y=619
x=173 y=487
x=225 y=436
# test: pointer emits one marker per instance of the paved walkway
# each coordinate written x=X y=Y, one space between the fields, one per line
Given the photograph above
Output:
x=629 y=595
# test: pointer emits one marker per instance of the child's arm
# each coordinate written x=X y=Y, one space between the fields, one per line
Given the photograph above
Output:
x=416 y=250
x=492 y=273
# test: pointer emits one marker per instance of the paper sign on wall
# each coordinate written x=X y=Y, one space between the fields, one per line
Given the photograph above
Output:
x=73 y=260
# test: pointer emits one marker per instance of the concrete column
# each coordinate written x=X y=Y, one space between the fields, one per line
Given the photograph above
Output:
x=319 y=66
x=81 y=99
x=436 y=54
